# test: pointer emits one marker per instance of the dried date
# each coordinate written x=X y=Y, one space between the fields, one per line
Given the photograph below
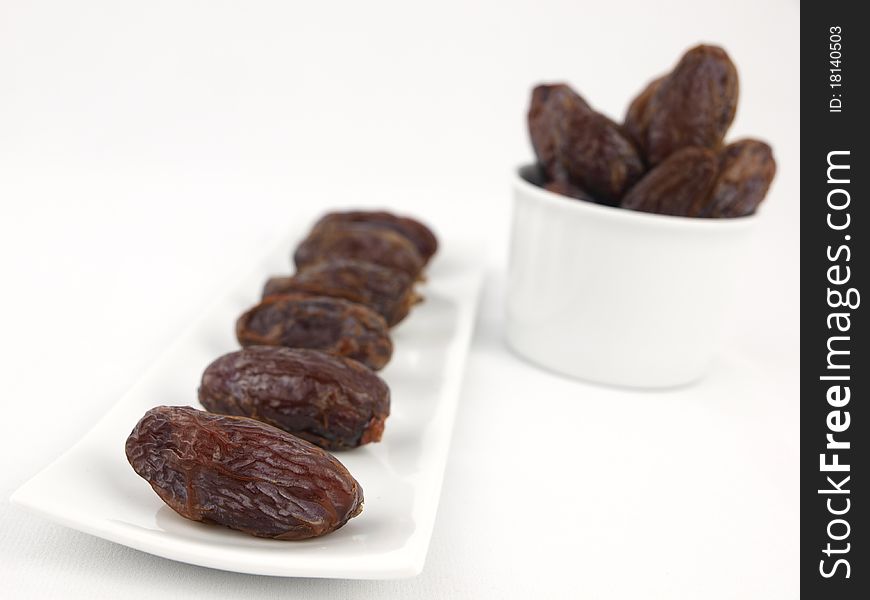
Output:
x=328 y=400
x=242 y=474
x=548 y=115
x=692 y=106
x=746 y=170
x=417 y=233
x=359 y=241
x=599 y=157
x=387 y=291
x=637 y=118
x=575 y=143
x=318 y=322
x=678 y=186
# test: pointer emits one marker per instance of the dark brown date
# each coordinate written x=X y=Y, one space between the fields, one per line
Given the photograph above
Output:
x=575 y=143
x=548 y=115
x=360 y=241
x=692 y=106
x=320 y=323
x=746 y=169
x=678 y=186
x=333 y=402
x=417 y=233
x=242 y=474
x=387 y=291
x=637 y=118
x=599 y=157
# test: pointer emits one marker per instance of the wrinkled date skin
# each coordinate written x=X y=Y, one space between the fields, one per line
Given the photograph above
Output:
x=328 y=400
x=548 y=114
x=694 y=105
x=320 y=323
x=242 y=474
x=637 y=117
x=387 y=291
x=679 y=186
x=746 y=170
x=359 y=241
x=575 y=143
x=599 y=157
x=416 y=232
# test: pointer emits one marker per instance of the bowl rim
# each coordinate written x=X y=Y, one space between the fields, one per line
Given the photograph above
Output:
x=624 y=215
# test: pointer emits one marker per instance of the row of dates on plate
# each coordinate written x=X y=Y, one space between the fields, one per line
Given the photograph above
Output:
x=303 y=384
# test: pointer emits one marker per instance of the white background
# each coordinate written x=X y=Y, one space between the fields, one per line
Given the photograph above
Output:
x=148 y=150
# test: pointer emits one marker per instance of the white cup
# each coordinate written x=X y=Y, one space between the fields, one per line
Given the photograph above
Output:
x=618 y=296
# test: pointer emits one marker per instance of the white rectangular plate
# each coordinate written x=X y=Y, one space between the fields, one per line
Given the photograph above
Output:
x=92 y=488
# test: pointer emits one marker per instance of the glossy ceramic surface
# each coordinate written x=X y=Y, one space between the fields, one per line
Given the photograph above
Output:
x=618 y=296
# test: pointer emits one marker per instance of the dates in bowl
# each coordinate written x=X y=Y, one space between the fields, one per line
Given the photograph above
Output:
x=668 y=155
x=629 y=237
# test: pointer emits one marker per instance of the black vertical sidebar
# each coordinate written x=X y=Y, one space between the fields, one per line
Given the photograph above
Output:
x=835 y=373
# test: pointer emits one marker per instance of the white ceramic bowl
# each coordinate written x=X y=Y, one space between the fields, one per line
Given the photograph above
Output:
x=618 y=296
